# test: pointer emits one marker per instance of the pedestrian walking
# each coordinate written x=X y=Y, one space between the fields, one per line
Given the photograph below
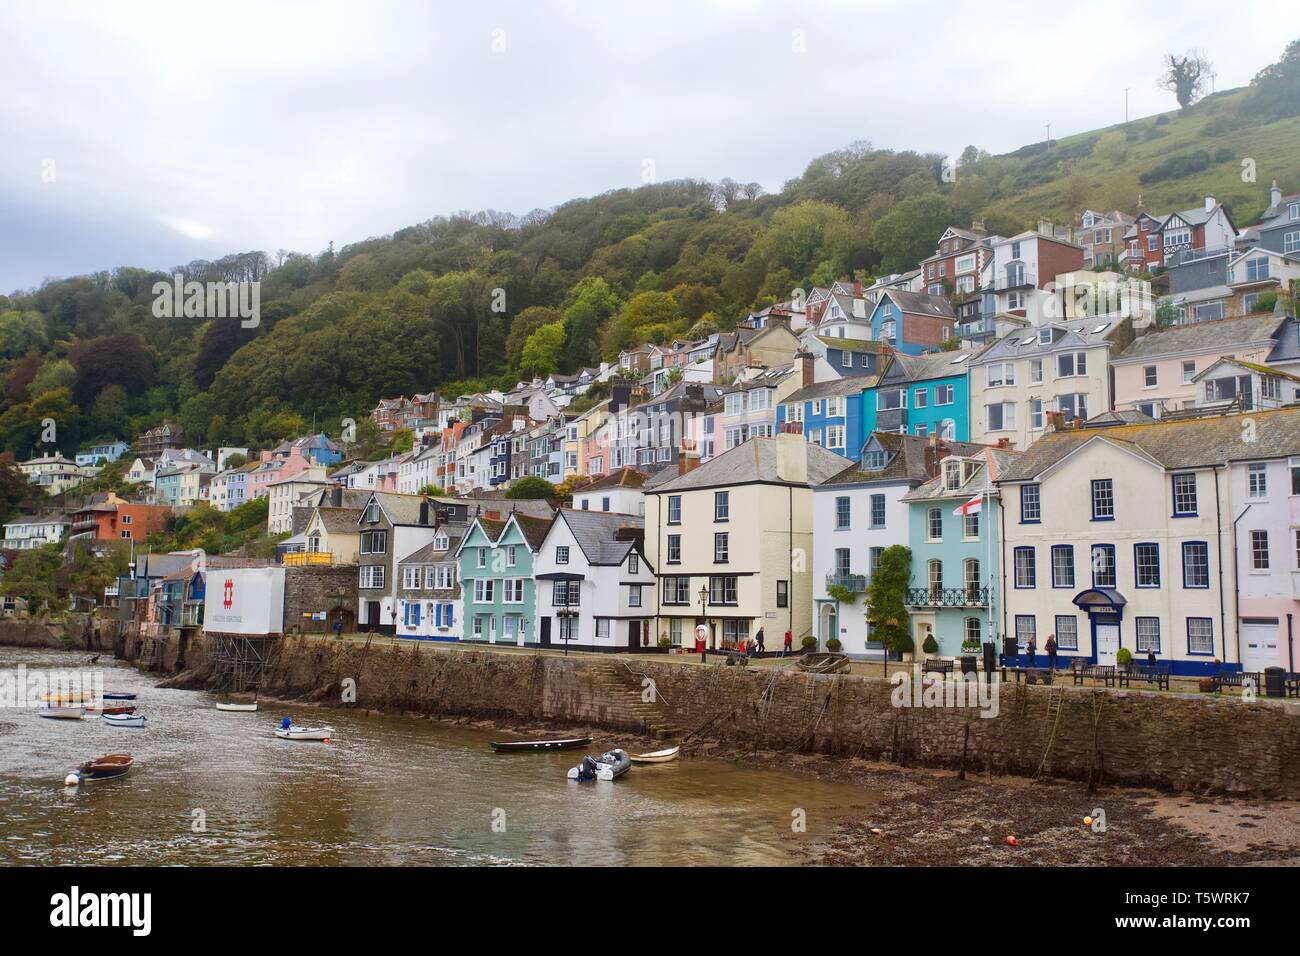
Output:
x=1050 y=647
x=759 y=639
x=1030 y=650
x=789 y=643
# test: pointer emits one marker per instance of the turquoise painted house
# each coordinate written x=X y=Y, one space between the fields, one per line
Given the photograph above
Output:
x=921 y=395
x=955 y=594
x=495 y=560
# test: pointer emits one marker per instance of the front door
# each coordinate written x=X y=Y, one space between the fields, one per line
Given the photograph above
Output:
x=1259 y=643
x=372 y=615
x=633 y=634
x=545 y=633
x=1107 y=643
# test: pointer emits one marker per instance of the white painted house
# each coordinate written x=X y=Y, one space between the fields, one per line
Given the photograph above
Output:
x=619 y=492
x=594 y=588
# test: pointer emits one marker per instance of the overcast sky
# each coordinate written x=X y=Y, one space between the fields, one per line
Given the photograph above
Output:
x=151 y=134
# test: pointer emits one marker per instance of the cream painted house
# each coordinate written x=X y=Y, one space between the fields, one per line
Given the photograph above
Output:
x=1156 y=373
x=334 y=531
x=284 y=494
x=1018 y=381
x=731 y=543
x=1122 y=537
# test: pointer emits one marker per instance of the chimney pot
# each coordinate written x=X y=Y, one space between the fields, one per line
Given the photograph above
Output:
x=1274 y=195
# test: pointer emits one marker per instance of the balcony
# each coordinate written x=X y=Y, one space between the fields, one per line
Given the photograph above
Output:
x=857 y=583
x=948 y=597
x=1004 y=281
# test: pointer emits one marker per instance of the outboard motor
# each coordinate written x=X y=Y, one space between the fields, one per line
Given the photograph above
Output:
x=587 y=769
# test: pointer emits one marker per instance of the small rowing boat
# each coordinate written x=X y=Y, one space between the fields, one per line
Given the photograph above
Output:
x=823 y=663
x=100 y=768
x=522 y=746
x=608 y=766
x=124 y=720
x=237 y=708
x=119 y=709
x=119 y=695
x=71 y=697
x=656 y=756
x=61 y=713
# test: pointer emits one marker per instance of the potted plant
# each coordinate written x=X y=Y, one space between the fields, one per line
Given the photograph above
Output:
x=664 y=642
x=1124 y=657
x=833 y=645
x=809 y=644
x=930 y=646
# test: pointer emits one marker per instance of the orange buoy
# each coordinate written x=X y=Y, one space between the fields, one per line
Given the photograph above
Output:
x=1087 y=821
x=1012 y=841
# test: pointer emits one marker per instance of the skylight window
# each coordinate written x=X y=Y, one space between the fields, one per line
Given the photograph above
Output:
x=959 y=359
x=1101 y=328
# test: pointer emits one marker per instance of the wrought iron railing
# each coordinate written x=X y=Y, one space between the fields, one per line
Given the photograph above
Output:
x=948 y=597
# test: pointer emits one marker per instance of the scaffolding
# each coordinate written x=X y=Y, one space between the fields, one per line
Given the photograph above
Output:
x=238 y=660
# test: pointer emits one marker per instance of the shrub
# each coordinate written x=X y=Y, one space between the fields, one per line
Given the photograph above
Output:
x=931 y=646
x=1175 y=167
x=664 y=641
x=833 y=644
x=1124 y=657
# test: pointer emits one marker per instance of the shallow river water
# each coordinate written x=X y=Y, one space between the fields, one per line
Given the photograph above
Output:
x=220 y=788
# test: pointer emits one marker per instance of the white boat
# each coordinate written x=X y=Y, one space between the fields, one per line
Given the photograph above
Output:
x=124 y=720
x=61 y=713
x=305 y=733
x=657 y=756
x=237 y=708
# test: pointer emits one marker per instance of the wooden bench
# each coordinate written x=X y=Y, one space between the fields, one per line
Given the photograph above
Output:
x=1293 y=684
x=936 y=666
x=1238 y=679
x=1157 y=674
x=1102 y=672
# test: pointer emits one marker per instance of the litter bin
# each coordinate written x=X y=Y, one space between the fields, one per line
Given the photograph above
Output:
x=967 y=664
x=1275 y=681
x=990 y=657
x=1009 y=650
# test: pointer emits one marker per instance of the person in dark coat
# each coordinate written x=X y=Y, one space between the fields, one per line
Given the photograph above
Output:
x=1050 y=647
x=759 y=639
x=1151 y=657
x=1030 y=650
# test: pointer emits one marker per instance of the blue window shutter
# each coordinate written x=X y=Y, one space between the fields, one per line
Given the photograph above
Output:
x=406 y=613
x=451 y=612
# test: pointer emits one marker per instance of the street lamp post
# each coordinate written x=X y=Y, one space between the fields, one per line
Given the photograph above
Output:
x=704 y=645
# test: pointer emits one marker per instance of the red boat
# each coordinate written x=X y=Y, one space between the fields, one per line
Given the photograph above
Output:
x=100 y=768
x=118 y=709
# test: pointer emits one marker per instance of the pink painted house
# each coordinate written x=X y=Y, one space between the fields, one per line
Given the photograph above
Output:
x=1155 y=373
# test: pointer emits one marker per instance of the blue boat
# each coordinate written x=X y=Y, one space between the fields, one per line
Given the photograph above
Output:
x=119 y=695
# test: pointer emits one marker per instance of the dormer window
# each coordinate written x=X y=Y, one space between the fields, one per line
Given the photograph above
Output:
x=951 y=475
x=372 y=512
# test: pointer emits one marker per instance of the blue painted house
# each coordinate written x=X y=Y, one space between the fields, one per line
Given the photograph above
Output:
x=828 y=414
x=912 y=322
x=496 y=579
x=955 y=593
x=921 y=395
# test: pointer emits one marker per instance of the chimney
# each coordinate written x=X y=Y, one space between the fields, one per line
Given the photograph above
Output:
x=424 y=511
x=1209 y=204
x=336 y=496
x=791 y=458
x=492 y=515
x=1004 y=442
x=686 y=462
x=857 y=288
x=1055 y=421
x=977 y=227
x=1274 y=195
x=807 y=366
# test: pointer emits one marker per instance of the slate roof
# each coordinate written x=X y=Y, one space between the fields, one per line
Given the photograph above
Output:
x=534 y=529
x=904 y=460
x=836 y=386
x=851 y=345
x=1181 y=443
x=623 y=478
x=1216 y=333
x=767 y=378
x=339 y=520
x=754 y=460
x=595 y=530
x=997 y=461
x=919 y=368
x=1065 y=335
x=400 y=509
x=429 y=554
x=920 y=303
